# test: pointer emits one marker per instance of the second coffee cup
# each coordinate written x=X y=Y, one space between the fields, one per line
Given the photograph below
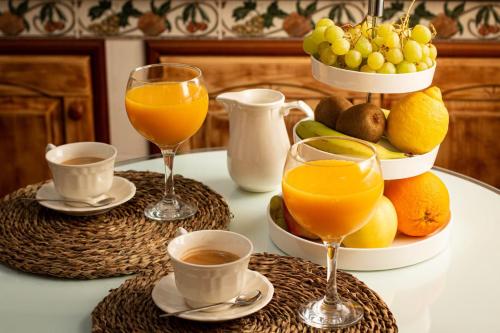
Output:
x=210 y=265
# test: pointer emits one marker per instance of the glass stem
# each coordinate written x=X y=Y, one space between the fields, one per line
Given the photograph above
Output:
x=332 y=296
x=168 y=158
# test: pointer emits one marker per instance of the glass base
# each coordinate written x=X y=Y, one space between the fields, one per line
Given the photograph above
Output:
x=170 y=209
x=321 y=315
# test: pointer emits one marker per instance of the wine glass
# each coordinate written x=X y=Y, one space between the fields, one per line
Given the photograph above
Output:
x=167 y=104
x=331 y=186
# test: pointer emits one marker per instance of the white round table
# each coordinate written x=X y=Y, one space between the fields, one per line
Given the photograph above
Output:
x=456 y=291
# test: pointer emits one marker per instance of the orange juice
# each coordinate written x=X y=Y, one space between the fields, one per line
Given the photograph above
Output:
x=167 y=113
x=331 y=198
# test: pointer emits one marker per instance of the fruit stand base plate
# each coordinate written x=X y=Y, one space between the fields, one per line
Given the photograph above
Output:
x=405 y=250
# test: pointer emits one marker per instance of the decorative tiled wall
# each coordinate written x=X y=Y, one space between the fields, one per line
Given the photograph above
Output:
x=230 y=19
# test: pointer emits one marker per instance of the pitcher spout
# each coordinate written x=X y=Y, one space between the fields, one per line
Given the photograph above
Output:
x=228 y=99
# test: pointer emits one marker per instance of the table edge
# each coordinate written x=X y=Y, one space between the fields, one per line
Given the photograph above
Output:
x=204 y=150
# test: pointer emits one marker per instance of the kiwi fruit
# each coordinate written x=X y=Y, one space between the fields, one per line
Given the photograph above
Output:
x=329 y=108
x=363 y=121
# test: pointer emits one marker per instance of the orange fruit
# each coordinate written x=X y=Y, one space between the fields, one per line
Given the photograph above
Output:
x=422 y=203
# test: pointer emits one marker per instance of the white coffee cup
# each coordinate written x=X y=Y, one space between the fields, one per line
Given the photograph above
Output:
x=202 y=285
x=83 y=181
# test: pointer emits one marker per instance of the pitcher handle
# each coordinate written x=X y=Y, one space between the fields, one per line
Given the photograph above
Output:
x=301 y=105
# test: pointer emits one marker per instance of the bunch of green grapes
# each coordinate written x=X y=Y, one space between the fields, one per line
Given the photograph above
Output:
x=387 y=48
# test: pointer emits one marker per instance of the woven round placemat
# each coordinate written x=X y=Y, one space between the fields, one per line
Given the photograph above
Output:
x=130 y=307
x=122 y=241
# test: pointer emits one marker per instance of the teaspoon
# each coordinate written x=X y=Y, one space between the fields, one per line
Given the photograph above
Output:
x=99 y=203
x=242 y=300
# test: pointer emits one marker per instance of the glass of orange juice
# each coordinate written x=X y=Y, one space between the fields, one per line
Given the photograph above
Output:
x=331 y=186
x=167 y=104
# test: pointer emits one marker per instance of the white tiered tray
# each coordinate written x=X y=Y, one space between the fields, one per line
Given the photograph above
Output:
x=398 y=168
x=405 y=250
x=371 y=82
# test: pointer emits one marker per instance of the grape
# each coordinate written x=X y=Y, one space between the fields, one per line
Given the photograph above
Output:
x=322 y=46
x=327 y=56
x=353 y=59
x=309 y=46
x=425 y=50
x=379 y=41
x=406 y=67
x=387 y=68
x=432 y=52
x=324 y=22
x=364 y=47
x=421 y=66
x=428 y=61
x=384 y=29
x=421 y=34
x=333 y=32
x=340 y=46
x=375 y=60
x=394 y=56
x=392 y=40
x=318 y=34
x=366 y=69
x=412 y=51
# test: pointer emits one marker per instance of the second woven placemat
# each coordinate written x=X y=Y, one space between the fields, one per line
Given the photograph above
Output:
x=122 y=241
x=130 y=308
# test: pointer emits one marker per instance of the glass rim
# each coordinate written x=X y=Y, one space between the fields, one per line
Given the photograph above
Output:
x=293 y=149
x=165 y=64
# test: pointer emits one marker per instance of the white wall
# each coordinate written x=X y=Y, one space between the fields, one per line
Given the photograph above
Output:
x=121 y=57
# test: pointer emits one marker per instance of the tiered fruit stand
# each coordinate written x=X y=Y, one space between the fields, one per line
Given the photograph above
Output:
x=405 y=250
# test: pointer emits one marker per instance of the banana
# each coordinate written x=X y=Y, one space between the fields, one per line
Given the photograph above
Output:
x=310 y=128
x=386 y=112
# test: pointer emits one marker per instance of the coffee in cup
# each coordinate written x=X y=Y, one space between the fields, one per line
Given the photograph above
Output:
x=209 y=257
x=82 y=171
x=209 y=265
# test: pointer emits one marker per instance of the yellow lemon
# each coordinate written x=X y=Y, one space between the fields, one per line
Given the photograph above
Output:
x=418 y=122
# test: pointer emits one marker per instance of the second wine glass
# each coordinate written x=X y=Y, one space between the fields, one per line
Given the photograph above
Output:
x=331 y=186
x=167 y=104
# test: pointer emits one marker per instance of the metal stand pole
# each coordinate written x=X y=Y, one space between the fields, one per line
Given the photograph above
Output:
x=375 y=10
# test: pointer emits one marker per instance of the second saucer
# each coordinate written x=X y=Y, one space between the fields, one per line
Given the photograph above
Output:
x=167 y=297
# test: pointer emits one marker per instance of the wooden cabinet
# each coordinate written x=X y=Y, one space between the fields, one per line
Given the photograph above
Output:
x=45 y=97
x=468 y=75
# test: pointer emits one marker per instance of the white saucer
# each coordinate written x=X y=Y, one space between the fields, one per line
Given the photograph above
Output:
x=167 y=297
x=122 y=190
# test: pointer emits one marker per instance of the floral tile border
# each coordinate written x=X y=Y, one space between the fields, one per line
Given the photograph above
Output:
x=37 y=18
x=157 y=18
x=231 y=19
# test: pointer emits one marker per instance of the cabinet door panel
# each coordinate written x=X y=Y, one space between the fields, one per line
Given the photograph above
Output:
x=26 y=126
x=47 y=98
x=52 y=75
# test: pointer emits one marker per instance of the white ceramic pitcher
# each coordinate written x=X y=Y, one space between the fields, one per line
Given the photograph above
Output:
x=258 y=141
